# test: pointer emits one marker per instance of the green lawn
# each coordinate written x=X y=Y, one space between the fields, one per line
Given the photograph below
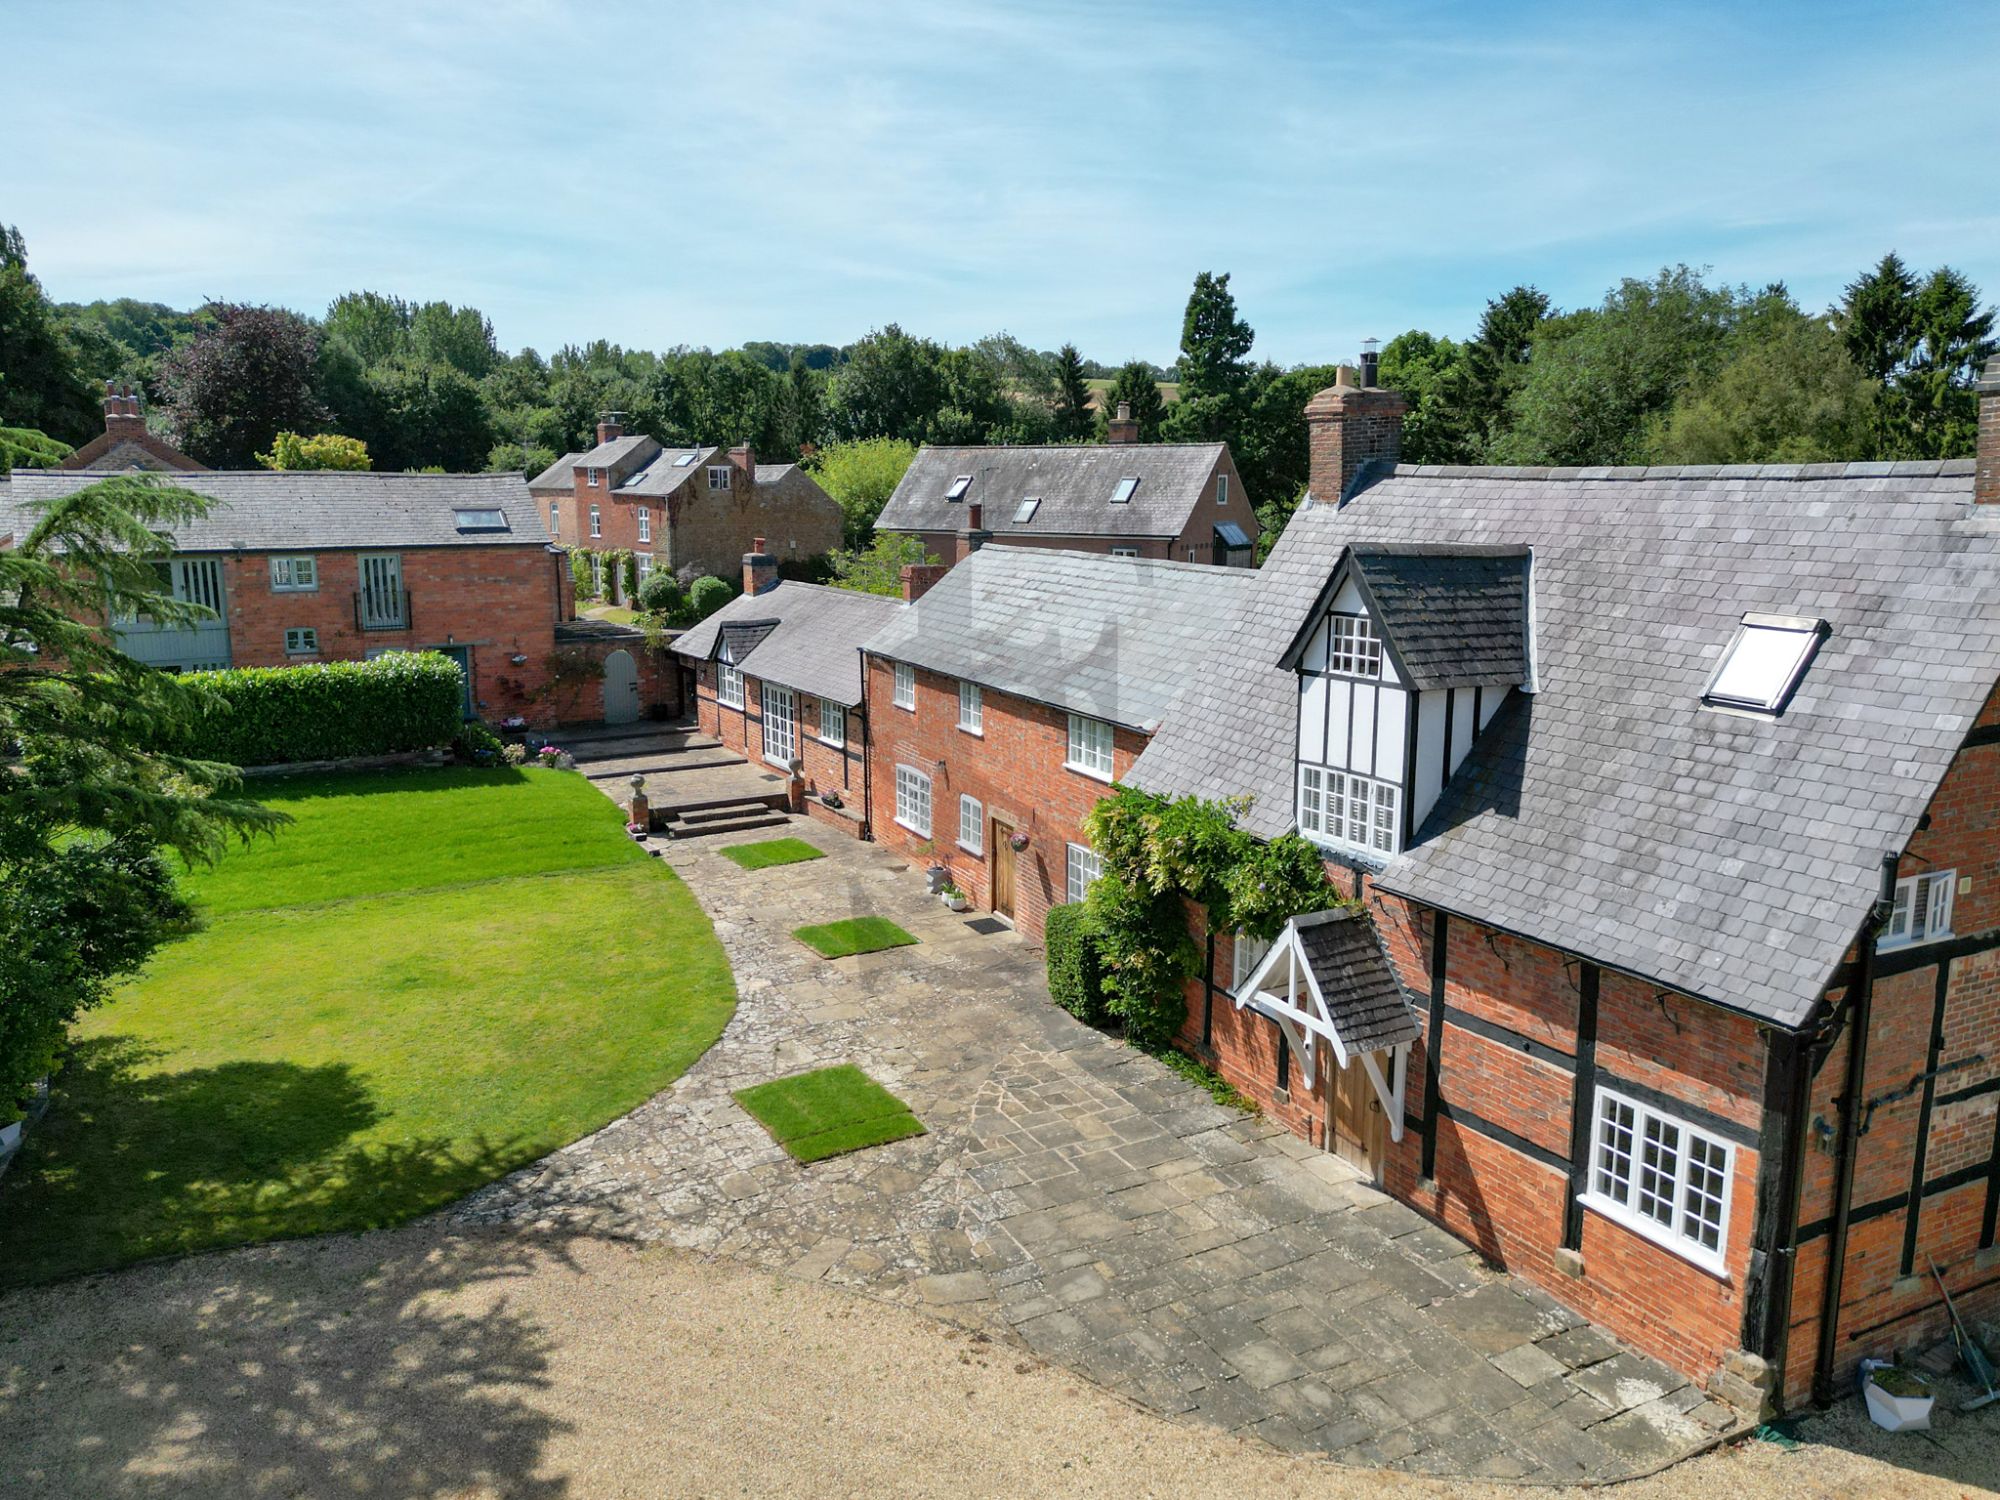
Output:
x=428 y=980
x=769 y=852
x=853 y=935
x=829 y=1111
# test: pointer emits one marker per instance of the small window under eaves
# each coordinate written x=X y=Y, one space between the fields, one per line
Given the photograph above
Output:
x=480 y=520
x=1123 y=494
x=958 y=487
x=1025 y=512
x=1764 y=664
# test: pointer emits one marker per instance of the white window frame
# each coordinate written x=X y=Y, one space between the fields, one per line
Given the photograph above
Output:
x=1353 y=646
x=913 y=800
x=1222 y=489
x=971 y=708
x=832 y=723
x=645 y=518
x=1088 y=752
x=555 y=520
x=301 y=640
x=728 y=684
x=959 y=485
x=295 y=573
x=1124 y=551
x=1082 y=867
x=779 y=708
x=643 y=561
x=594 y=478
x=1245 y=953
x=904 y=692
x=718 y=476
x=1337 y=806
x=1928 y=898
x=1622 y=1174
x=971 y=825
x=1126 y=488
x=1775 y=650
x=596 y=522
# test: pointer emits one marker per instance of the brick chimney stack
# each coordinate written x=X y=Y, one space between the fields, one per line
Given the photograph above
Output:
x=745 y=460
x=1986 y=470
x=973 y=535
x=612 y=427
x=917 y=579
x=121 y=410
x=1122 y=428
x=1349 y=426
x=760 y=570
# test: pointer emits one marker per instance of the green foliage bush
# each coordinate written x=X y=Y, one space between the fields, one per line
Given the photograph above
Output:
x=1076 y=973
x=582 y=576
x=475 y=742
x=707 y=595
x=1148 y=955
x=261 y=716
x=662 y=595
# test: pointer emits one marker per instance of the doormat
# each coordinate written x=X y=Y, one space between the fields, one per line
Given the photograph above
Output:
x=987 y=926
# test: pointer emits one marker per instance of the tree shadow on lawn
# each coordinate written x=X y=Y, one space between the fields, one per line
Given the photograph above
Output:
x=369 y=783
x=355 y=1367
x=132 y=1165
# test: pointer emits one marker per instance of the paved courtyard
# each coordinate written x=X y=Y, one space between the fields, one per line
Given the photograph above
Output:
x=1200 y=1262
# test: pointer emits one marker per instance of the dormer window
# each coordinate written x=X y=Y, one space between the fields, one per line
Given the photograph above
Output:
x=958 y=487
x=1339 y=807
x=1763 y=665
x=1353 y=648
x=1126 y=488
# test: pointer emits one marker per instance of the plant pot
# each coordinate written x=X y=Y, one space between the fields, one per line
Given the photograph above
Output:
x=956 y=903
x=935 y=877
x=1889 y=1411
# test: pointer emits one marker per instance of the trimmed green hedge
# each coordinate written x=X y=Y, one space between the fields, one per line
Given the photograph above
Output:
x=263 y=716
x=1076 y=970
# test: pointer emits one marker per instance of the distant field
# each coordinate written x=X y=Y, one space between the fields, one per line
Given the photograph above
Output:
x=1170 y=391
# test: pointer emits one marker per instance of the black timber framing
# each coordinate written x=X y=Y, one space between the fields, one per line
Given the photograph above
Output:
x=1781 y=1145
x=1582 y=1106
x=1433 y=1039
x=1920 y=1152
x=1208 y=996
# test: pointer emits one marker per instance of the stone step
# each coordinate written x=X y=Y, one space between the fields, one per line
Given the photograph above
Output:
x=740 y=825
x=628 y=771
x=722 y=807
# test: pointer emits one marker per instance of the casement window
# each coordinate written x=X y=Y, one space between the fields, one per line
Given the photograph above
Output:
x=302 y=642
x=1352 y=646
x=596 y=522
x=1661 y=1177
x=728 y=684
x=913 y=800
x=718 y=476
x=905 y=695
x=1342 y=808
x=971 y=825
x=1081 y=867
x=555 y=519
x=832 y=722
x=593 y=477
x=1089 y=747
x=1124 y=551
x=971 y=709
x=294 y=575
x=642 y=562
x=1922 y=910
x=1245 y=953
x=645 y=518
x=1222 y=489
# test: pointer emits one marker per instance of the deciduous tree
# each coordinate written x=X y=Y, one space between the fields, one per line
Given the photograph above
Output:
x=248 y=374
x=43 y=385
x=861 y=475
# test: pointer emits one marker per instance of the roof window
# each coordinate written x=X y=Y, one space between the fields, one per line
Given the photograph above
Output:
x=687 y=458
x=1123 y=493
x=958 y=487
x=1025 y=512
x=480 y=520
x=1763 y=665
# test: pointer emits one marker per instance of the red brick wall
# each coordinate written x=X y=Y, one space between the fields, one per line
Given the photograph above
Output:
x=1015 y=770
x=1244 y=1046
x=499 y=601
x=827 y=768
x=581 y=701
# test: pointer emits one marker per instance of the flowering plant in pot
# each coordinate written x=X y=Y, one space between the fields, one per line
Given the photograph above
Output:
x=1018 y=842
x=555 y=758
x=953 y=897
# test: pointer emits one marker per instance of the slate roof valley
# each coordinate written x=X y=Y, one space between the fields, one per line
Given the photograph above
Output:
x=799 y=635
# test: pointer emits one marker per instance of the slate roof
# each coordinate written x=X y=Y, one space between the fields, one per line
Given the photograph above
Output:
x=814 y=641
x=1369 y=1005
x=1075 y=485
x=619 y=451
x=262 y=510
x=560 y=475
x=1610 y=814
x=1116 y=638
x=664 y=473
x=1453 y=616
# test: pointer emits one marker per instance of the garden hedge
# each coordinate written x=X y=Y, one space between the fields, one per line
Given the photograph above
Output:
x=262 y=716
x=1076 y=971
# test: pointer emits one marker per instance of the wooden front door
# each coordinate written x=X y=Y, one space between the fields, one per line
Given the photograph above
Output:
x=1003 y=869
x=1360 y=1128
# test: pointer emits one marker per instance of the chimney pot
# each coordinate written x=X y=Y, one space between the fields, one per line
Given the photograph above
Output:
x=1371 y=363
x=1122 y=428
x=611 y=427
x=1986 y=462
x=1349 y=427
x=121 y=409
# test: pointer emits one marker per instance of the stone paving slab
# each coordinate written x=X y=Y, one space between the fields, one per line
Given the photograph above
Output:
x=1077 y=1194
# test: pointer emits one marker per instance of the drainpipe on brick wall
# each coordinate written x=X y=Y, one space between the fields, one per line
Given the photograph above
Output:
x=1850 y=1137
x=867 y=750
x=1789 y=1082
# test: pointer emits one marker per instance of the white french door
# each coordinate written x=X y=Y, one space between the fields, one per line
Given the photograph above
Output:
x=781 y=729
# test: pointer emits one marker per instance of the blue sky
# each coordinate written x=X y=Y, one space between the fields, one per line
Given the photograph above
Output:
x=708 y=173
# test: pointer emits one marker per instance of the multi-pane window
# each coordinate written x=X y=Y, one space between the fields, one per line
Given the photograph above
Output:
x=593 y=477
x=294 y=575
x=1089 y=746
x=1349 y=809
x=971 y=709
x=596 y=522
x=555 y=518
x=301 y=642
x=1222 y=489
x=729 y=684
x=971 y=825
x=1922 y=911
x=1081 y=867
x=1124 y=551
x=1352 y=646
x=832 y=722
x=718 y=477
x=1661 y=1176
x=642 y=562
x=1246 y=952
x=906 y=686
x=645 y=519
x=913 y=800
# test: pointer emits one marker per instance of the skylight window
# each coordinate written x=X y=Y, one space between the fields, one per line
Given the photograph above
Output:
x=1764 y=663
x=480 y=520
x=685 y=459
x=1123 y=494
x=1026 y=511
x=958 y=487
